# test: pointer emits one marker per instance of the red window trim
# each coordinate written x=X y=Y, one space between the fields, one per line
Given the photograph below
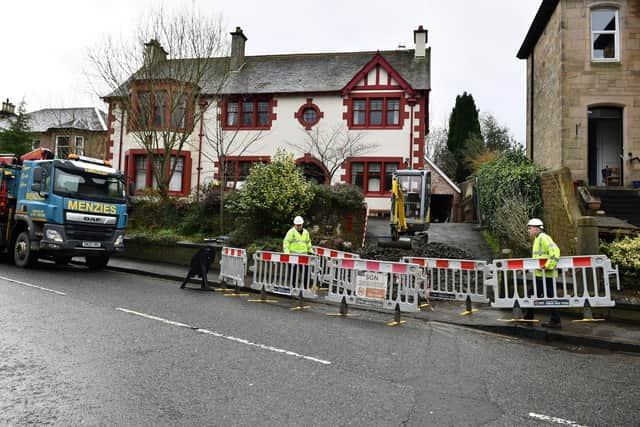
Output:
x=171 y=88
x=365 y=180
x=130 y=169
x=254 y=99
x=237 y=160
x=385 y=96
x=300 y=114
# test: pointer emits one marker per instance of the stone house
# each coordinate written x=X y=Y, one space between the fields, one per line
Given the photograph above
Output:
x=380 y=98
x=583 y=89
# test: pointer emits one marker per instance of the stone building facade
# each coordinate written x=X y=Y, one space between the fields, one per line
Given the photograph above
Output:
x=583 y=88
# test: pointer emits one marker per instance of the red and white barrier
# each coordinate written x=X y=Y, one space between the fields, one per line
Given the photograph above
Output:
x=575 y=280
x=324 y=266
x=233 y=265
x=285 y=274
x=380 y=284
x=452 y=279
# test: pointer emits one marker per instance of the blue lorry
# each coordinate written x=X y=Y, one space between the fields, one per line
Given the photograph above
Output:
x=61 y=208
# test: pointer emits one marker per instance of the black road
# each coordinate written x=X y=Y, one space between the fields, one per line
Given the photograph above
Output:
x=88 y=348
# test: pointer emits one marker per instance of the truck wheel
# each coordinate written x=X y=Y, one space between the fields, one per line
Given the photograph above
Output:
x=96 y=262
x=23 y=256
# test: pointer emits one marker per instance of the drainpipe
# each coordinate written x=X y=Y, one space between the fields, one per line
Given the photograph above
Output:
x=412 y=103
x=203 y=104
x=121 y=136
x=531 y=92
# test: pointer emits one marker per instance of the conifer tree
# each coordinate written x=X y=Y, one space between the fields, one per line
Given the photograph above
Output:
x=16 y=139
x=464 y=126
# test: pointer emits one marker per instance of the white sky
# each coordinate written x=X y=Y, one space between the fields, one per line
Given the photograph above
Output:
x=473 y=43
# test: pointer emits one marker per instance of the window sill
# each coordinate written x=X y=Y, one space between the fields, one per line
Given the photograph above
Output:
x=361 y=127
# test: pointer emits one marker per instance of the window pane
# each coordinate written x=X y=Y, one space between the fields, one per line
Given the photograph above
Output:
x=263 y=113
x=62 y=147
x=247 y=114
x=604 y=46
x=393 y=111
x=141 y=172
x=245 y=167
x=309 y=115
x=160 y=108
x=357 y=174
x=232 y=114
x=373 y=177
x=175 y=184
x=389 y=168
x=79 y=145
x=179 y=111
x=375 y=112
x=157 y=165
x=144 y=102
x=359 y=111
x=603 y=20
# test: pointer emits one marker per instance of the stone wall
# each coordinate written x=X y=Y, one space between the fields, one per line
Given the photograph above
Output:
x=547 y=105
x=561 y=210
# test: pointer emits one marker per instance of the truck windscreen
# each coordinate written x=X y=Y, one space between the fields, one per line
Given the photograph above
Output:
x=78 y=183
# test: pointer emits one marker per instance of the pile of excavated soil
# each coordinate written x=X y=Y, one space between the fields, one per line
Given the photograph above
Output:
x=419 y=249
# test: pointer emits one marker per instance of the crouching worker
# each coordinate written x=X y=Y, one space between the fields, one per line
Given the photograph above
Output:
x=200 y=264
x=297 y=241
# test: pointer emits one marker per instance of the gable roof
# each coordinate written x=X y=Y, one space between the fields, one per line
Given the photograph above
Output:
x=537 y=27
x=442 y=174
x=296 y=73
x=89 y=119
x=378 y=59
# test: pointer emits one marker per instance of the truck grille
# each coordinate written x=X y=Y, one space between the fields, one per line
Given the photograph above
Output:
x=93 y=233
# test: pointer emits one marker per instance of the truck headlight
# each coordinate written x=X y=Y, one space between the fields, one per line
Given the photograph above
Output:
x=119 y=241
x=53 y=235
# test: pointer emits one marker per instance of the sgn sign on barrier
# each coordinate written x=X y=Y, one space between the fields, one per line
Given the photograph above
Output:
x=233 y=265
x=574 y=281
x=285 y=274
x=324 y=266
x=452 y=279
x=380 y=284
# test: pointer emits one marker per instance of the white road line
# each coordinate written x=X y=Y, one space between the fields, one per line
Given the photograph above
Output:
x=230 y=338
x=31 y=285
x=555 y=420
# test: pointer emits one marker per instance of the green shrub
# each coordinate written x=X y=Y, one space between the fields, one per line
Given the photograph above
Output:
x=625 y=254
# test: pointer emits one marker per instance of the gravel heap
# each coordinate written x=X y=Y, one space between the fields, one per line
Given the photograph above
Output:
x=420 y=248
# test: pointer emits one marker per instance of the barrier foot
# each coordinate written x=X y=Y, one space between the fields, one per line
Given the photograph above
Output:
x=263 y=297
x=587 y=314
x=469 y=308
x=344 y=310
x=517 y=311
x=517 y=315
x=300 y=305
x=236 y=292
x=396 y=317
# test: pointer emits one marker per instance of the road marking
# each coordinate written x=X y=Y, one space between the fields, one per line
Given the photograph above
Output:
x=227 y=337
x=30 y=285
x=555 y=420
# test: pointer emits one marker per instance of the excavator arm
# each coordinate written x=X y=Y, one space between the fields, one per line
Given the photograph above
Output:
x=398 y=219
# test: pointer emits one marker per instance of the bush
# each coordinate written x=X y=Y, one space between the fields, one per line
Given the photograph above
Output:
x=509 y=194
x=625 y=254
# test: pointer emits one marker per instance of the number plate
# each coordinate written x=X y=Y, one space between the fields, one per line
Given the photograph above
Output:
x=91 y=244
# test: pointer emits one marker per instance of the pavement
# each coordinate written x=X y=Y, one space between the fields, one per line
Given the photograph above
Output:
x=609 y=335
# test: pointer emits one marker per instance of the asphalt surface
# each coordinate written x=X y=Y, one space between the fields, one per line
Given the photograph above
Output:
x=112 y=348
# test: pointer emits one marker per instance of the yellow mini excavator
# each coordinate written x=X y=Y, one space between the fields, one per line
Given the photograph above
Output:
x=410 y=203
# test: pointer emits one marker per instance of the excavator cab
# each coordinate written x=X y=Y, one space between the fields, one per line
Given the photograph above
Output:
x=410 y=202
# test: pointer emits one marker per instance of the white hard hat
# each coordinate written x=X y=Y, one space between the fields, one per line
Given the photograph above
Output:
x=298 y=220
x=535 y=222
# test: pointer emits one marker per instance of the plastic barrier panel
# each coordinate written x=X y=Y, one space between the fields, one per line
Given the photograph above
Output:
x=233 y=265
x=324 y=266
x=452 y=279
x=285 y=274
x=575 y=280
x=378 y=284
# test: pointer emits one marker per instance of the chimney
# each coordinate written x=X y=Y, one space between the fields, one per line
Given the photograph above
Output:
x=154 y=53
x=8 y=109
x=238 y=40
x=420 y=39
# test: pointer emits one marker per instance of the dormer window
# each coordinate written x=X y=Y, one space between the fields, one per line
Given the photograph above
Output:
x=605 y=35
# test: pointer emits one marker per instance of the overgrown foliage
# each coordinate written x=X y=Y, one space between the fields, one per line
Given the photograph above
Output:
x=272 y=195
x=509 y=194
x=625 y=254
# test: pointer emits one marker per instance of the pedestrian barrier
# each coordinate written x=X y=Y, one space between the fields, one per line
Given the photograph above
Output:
x=285 y=274
x=324 y=266
x=579 y=281
x=233 y=266
x=381 y=284
x=452 y=279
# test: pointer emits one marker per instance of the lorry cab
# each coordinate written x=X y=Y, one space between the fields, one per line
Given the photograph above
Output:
x=71 y=207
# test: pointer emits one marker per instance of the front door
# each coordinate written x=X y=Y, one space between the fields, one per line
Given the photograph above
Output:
x=605 y=143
